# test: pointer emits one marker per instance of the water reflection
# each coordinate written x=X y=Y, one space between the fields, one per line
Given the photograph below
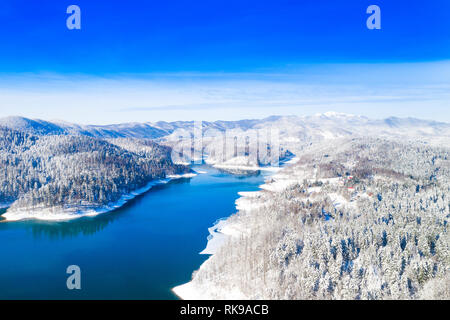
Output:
x=65 y=229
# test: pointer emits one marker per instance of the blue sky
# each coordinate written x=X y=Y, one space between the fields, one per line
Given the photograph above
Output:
x=142 y=60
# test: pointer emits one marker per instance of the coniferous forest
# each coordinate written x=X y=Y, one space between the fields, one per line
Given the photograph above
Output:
x=64 y=171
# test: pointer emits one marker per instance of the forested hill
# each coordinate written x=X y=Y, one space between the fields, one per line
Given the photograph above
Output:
x=359 y=219
x=75 y=172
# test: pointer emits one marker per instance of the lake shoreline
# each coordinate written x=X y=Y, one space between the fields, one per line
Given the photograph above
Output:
x=153 y=241
x=67 y=214
x=219 y=232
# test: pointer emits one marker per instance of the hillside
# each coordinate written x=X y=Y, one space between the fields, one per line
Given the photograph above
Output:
x=48 y=164
x=71 y=174
x=358 y=219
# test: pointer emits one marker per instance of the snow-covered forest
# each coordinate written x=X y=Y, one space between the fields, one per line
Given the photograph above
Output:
x=363 y=214
x=352 y=219
x=64 y=171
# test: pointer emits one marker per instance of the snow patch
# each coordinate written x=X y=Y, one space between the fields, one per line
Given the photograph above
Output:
x=338 y=200
x=216 y=238
x=181 y=176
x=189 y=291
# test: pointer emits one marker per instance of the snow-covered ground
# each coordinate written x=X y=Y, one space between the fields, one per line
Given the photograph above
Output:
x=279 y=185
x=243 y=163
x=180 y=176
x=247 y=202
x=190 y=291
x=216 y=237
x=338 y=200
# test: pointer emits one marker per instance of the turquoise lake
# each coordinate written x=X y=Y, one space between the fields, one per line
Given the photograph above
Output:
x=139 y=251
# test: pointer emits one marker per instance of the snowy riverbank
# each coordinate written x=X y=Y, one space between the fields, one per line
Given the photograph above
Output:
x=219 y=233
x=70 y=213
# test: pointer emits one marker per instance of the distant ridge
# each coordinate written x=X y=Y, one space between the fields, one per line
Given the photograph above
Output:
x=41 y=127
x=325 y=125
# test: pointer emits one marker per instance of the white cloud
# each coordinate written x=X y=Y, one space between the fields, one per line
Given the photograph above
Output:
x=419 y=90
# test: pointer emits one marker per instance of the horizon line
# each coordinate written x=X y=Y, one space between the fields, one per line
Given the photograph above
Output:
x=327 y=114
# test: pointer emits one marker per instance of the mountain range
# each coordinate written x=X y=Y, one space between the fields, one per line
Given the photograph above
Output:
x=294 y=129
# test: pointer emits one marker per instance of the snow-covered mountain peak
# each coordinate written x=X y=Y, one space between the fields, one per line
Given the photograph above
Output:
x=337 y=115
